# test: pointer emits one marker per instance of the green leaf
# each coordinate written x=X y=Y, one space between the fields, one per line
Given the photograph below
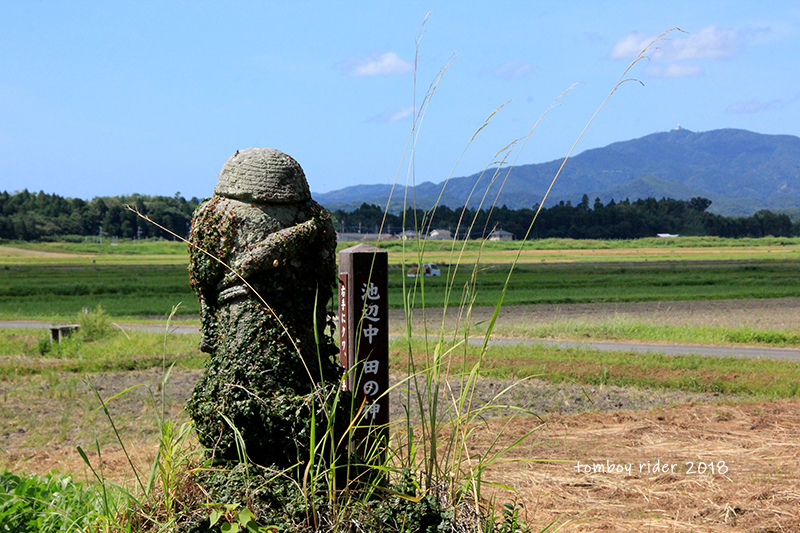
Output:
x=245 y=516
x=215 y=516
x=229 y=528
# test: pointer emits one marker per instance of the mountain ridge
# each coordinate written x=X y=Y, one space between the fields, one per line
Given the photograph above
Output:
x=741 y=171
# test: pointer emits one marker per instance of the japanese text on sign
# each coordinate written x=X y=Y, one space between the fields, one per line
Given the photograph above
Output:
x=370 y=310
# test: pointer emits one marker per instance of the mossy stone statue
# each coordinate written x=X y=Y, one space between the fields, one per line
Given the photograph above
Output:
x=263 y=311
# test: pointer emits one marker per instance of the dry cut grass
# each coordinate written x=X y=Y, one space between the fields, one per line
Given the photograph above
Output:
x=756 y=490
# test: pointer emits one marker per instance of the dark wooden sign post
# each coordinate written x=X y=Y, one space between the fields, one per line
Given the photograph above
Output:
x=364 y=342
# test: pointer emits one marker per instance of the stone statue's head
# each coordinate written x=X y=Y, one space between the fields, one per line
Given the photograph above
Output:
x=262 y=176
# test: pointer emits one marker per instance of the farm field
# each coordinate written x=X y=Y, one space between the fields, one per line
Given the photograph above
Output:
x=593 y=408
x=447 y=252
x=133 y=286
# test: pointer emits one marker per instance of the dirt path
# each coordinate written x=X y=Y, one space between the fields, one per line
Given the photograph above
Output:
x=568 y=468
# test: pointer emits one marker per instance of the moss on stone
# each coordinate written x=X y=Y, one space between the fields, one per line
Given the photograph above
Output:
x=267 y=372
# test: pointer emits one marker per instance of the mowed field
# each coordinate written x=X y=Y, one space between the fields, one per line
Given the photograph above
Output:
x=738 y=419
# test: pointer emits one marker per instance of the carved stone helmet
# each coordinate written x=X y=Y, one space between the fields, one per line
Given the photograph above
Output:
x=262 y=176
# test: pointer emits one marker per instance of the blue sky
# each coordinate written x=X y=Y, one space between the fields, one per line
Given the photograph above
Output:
x=111 y=98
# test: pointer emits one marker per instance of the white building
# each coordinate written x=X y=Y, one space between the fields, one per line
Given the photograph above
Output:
x=440 y=235
x=501 y=235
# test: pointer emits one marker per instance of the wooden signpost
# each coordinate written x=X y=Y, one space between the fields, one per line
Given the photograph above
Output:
x=364 y=342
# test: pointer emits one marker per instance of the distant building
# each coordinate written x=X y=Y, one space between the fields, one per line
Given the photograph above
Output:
x=440 y=235
x=666 y=235
x=409 y=235
x=361 y=237
x=501 y=235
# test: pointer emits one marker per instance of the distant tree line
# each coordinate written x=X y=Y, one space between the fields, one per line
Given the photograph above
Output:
x=39 y=216
x=614 y=220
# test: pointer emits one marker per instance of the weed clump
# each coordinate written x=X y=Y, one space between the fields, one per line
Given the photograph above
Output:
x=94 y=325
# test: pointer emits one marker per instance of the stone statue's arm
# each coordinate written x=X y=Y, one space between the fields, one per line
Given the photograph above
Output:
x=277 y=248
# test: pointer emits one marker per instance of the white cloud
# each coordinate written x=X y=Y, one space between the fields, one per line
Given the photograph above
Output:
x=392 y=115
x=673 y=70
x=378 y=65
x=510 y=70
x=631 y=45
x=757 y=106
x=707 y=43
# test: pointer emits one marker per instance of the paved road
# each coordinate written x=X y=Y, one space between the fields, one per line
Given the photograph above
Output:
x=789 y=354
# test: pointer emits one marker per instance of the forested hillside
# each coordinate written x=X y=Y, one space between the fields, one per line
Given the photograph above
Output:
x=40 y=216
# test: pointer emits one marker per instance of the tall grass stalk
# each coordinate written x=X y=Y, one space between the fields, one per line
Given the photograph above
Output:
x=448 y=417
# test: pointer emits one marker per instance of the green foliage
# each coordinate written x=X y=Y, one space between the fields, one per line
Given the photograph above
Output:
x=44 y=346
x=510 y=521
x=769 y=337
x=620 y=329
x=757 y=378
x=607 y=282
x=125 y=291
x=21 y=353
x=30 y=216
x=44 y=504
x=232 y=519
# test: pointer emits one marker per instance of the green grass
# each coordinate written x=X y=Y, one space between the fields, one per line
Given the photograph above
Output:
x=618 y=282
x=535 y=251
x=130 y=292
x=760 y=378
x=19 y=355
x=120 y=247
x=21 y=352
x=621 y=329
x=44 y=504
x=48 y=292
x=576 y=250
